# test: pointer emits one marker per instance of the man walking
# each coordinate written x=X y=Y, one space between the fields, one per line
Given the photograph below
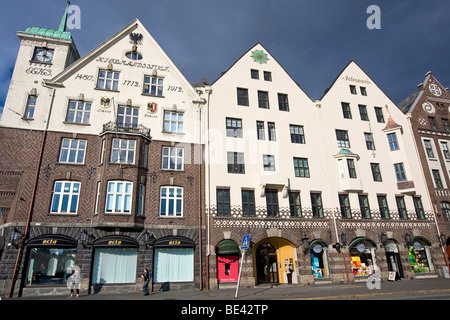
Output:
x=146 y=276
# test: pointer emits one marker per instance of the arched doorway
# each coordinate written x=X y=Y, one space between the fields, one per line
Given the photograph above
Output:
x=275 y=261
x=420 y=256
x=319 y=259
x=393 y=258
x=227 y=252
x=362 y=255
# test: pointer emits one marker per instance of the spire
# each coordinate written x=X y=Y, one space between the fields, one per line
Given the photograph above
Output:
x=62 y=26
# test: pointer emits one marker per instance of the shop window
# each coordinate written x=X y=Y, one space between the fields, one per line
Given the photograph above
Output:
x=319 y=260
x=227 y=252
x=420 y=257
x=174 y=265
x=114 y=265
x=49 y=266
x=361 y=256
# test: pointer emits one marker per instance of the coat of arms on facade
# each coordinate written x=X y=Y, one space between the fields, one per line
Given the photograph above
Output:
x=105 y=102
x=152 y=107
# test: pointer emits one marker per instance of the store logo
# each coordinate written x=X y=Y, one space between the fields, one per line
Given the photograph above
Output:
x=374 y=281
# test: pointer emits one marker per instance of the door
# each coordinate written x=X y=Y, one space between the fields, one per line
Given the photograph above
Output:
x=394 y=264
x=266 y=264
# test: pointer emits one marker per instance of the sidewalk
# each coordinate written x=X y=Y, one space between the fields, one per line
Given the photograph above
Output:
x=281 y=292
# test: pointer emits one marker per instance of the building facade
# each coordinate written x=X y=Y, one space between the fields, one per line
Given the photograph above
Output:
x=427 y=110
x=328 y=189
x=101 y=166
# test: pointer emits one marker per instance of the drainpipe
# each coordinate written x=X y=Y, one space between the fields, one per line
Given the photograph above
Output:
x=33 y=196
x=208 y=186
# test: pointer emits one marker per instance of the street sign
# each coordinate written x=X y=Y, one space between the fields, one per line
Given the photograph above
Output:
x=245 y=242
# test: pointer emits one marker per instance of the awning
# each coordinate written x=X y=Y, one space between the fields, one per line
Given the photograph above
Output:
x=52 y=241
x=227 y=247
x=174 y=242
x=116 y=242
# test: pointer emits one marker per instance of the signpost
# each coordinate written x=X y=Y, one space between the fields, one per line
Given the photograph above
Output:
x=244 y=246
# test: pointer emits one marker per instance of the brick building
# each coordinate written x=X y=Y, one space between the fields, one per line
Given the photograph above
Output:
x=101 y=166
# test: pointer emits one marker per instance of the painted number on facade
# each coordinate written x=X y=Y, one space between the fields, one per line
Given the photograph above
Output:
x=175 y=89
x=84 y=77
x=130 y=83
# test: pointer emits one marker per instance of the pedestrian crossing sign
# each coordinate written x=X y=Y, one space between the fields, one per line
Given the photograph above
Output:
x=245 y=242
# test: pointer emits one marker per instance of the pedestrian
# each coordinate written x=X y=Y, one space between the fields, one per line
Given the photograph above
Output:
x=73 y=282
x=146 y=276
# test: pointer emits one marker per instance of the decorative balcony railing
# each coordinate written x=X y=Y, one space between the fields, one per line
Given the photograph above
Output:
x=126 y=128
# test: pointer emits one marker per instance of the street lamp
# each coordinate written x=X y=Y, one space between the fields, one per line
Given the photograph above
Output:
x=407 y=239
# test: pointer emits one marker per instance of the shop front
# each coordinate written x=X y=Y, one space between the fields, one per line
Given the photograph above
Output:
x=420 y=256
x=173 y=260
x=393 y=259
x=115 y=260
x=227 y=252
x=275 y=261
x=362 y=257
x=49 y=260
x=319 y=259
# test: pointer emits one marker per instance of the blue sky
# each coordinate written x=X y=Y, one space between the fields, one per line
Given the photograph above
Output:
x=312 y=39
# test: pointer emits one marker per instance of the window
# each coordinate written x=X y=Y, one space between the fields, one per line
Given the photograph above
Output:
x=376 y=173
x=363 y=112
x=383 y=205
x=445 y=151
x=316 y=205
x=234 y=127
x=364 y=206
x=254 y=74
x=344 y=203
x=283 y=103
x=123 y=151
x=295 y=206
x=172 y=158
x=342 y=139
x=437 y=179
x=393 y=143
x=173 y=121
x=173 y=265
x=400 y=172
x=351 y=168
x=114 y=265
x=269 y=162
x=297 y=134
x=235 y=162
x=403 y=214
x=445 y=125
x=65 y=197
x=108 y=80
x=141 y=200
x=127 y=117
x=369 y=141
x=223 y=202
x=133 y=55
x=379 y=114
x=171 y=202
x=419 y=208
x=272 y=203
x=242 y=97
x=154 y=86
x=118 y=198
x=260 y=130
x=272 y=132
x=72 y=151
x=263 y=99
x=432 y=122
x=31 y=106
x=301 y=167
x=445 y=206
x=267 y=76
x=144 y=154
x=428 y=148
x=346 y=110
x=352 y=89
x=363 y=91
x=78 y=112
x=248 y=203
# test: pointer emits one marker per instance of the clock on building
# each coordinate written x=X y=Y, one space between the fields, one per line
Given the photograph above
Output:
x=43 y=55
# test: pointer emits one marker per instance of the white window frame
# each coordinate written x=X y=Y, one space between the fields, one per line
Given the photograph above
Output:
x=78 y=112
x=127 y=149
x=74 y=147
x=153 y=86
x=171 y=199
x=120 y=192
x=141 y=200
x=71 y=194
x=110 y=80
x=173 y=121
x=172 y=156
x=30 y=108
x=127 y=117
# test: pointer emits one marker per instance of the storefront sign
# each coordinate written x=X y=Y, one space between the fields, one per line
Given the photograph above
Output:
x=227 y=268
x=57 y=241
x=116 y=241
x=174 y=241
